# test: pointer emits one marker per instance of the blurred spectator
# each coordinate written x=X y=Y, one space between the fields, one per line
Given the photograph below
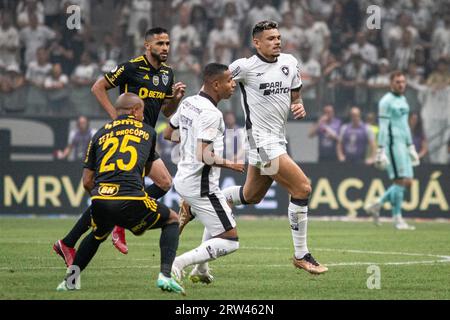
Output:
x=418 y=135
x=379 y=83
x=186 y=67
x=56 y=85
x=86 y=73
x=262 y=10
x=310 y=73
x=317 y=34
x=404 y=53
x=201 y=23
x=234 y=139
x=354 y=138
x=396 y=34
x=9 y=41
x=36 y=73
x=440 y=44
x=440 y=78
x=109 y=49
x=327 y=129
x=78 y=141
x=222 y=43
x=83 y=77
x=353 y=14
x=297 y=7
x=232 y=19
x=61 y=52
x=140 y=9
x=354 y=80
x=340 y=30
x=381 y=79
x=185 y=30
x=322 y=8
x=12 y=87
x=139 y=38
x=26 y=9
x=389 y=13
x=421 y=14
x=33 y=37
x=367 y=51
x=292 y=35
x=52 y=12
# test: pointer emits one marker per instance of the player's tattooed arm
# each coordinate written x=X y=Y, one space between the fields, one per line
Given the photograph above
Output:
x=297 y=107
x=170 y=106
x=205 y=153
x=88 y=179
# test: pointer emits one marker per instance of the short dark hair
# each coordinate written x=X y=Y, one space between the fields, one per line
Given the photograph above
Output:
x=397 y=73
x=213 y=69
x=157 y=30
x=264 y=25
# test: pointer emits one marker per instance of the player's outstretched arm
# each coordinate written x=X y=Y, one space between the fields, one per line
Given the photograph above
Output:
x=205 y=153
x=99 y=90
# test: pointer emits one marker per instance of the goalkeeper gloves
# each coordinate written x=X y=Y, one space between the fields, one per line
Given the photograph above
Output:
x=415 y=161
x=381 y=159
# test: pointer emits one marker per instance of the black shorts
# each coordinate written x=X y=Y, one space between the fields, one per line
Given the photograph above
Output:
x=137 y=216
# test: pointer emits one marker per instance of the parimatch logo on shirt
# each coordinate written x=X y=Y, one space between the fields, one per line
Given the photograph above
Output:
x=273 y=88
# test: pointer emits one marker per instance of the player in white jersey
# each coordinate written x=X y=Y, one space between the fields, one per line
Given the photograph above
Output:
x=201 y=128
x=270 y=84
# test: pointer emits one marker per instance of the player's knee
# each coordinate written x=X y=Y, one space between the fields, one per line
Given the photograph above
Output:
x=303 y=191
x=253 y=199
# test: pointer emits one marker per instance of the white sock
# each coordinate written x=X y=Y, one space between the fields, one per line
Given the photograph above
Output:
x=203 y=267
x=232 y=194
x=298 y=218
x=207 y=251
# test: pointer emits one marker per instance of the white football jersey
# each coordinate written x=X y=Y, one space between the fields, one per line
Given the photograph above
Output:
x=266 y=95
x=198 y=119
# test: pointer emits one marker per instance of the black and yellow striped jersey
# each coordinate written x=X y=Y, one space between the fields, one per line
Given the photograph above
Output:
x=118 y=153
x=140 y=77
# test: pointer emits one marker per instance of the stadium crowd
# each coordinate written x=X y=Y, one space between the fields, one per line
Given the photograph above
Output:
x=46 y=69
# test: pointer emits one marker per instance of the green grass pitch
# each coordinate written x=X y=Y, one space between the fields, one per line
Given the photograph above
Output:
x=413 y=265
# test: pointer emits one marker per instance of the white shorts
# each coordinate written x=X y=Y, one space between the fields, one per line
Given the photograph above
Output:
x=262 y=156
x=212 y=211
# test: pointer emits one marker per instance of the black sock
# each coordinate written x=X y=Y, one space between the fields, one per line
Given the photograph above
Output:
x=155 y=192
x=83 y=224
x=168 y=243
x=86 y=251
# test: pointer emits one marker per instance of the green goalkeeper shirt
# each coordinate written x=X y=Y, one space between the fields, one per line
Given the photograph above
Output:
x=393 y=111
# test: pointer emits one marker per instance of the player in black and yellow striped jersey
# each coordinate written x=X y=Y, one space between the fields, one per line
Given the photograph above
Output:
x=149 y=77
x=117 y=158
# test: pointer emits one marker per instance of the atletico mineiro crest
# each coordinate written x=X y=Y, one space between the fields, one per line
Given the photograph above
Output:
x=165 y=79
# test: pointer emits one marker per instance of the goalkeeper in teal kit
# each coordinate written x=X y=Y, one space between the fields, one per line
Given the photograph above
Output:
x=396 y=152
